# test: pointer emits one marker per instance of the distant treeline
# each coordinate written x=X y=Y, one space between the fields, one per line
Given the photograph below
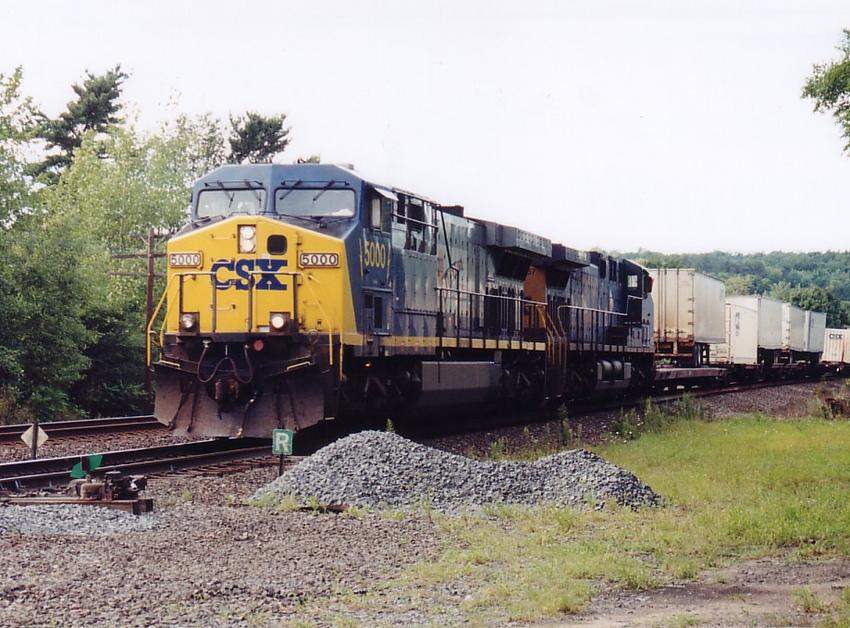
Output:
x=816 y=281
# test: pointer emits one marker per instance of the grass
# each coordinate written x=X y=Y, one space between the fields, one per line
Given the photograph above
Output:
x=808 y=601
x=839 y=613
x=735 y=489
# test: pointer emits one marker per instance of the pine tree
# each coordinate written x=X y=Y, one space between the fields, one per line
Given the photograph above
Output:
x=257 y=138
x=95 y=108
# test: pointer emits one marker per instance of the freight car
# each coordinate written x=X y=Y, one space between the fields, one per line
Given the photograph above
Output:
x=836 y=348
x=299 y=293
x=688 y=308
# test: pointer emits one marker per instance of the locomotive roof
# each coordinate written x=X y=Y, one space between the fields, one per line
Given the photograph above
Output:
x=273 y=175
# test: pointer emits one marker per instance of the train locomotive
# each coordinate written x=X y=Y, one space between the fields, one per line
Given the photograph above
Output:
x=303 y=293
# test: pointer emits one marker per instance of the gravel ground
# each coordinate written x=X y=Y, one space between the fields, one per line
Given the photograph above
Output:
x=206 y=563
x=75 y=520
x=791 y=401
x=382 y=469
x=69 y=446
x=212 y=563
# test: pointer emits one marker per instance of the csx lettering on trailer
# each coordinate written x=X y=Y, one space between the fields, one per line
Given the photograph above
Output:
x=244 y=270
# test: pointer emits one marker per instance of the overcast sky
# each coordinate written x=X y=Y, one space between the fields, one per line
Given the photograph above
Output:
x=675 y=126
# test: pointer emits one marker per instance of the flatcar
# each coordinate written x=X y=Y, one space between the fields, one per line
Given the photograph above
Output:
x=302 y=293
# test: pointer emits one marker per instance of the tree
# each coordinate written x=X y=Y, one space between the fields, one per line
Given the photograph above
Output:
x=257 y=138
x=95 y=109
x=142 y=183
x=17 y=126
x=203 y=137
x=816 y=300
x=829 y=87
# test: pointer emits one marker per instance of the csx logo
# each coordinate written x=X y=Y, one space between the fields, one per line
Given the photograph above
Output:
x=261 y=271
x=374 y=254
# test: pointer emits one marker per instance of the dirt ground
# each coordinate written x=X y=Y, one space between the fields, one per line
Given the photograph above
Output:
x=762 y=593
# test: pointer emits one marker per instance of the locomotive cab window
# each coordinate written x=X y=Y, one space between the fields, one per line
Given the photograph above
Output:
x=223 y=202
x=632 y=282
x=317 y=202
x=381 y=213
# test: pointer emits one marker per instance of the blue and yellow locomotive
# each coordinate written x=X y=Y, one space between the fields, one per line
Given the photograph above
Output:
x=299 y=293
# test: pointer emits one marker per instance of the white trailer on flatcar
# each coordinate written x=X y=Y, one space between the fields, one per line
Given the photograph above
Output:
x=836 y=346
x=688 y=307
x=753 y=331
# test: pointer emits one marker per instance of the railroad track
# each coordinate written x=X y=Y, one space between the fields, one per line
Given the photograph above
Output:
x=82 y=427
x=671 y=396
x=207 y=457
x=584 y=409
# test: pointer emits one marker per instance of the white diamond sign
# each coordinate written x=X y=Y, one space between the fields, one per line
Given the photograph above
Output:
x=27 y=437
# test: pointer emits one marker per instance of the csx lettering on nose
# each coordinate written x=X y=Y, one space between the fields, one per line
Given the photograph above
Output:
x=244 y=269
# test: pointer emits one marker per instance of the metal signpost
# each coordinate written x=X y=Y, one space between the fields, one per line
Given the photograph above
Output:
x=282 y=446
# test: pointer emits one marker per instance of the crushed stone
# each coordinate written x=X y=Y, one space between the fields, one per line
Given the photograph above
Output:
x=384 y=470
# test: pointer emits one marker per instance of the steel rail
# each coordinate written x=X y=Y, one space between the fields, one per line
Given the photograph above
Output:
x=82 y=426
x=583 y=408
x=53 y=472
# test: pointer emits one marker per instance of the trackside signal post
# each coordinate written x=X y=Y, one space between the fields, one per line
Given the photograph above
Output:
x=282 y=446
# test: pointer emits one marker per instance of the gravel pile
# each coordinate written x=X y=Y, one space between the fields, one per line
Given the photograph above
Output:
x=382 y=469
x=70 y=519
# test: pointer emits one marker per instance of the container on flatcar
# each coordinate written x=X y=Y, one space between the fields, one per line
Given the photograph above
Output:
x=836 y=346
x=815 y=326
x=753 y=331
x=689 y=313
x=793 y=328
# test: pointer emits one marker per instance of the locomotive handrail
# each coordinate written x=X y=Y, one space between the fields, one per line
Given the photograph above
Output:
x=309 y=278
x=154 y=314
x=490 y=296
x=515 y=330
x=591 y=309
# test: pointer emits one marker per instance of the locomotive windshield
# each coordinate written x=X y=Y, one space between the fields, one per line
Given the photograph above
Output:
x=224 y=202
x=317 y=202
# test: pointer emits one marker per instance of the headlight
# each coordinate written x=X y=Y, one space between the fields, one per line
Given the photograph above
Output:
x=247 y=239
x=188 y=321
x=278 y=320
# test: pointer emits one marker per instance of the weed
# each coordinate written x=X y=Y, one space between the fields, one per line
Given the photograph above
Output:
x=272 y=501
x=566 y=430
x=682 y=621
x=840 y=612
x=186 y=495
x=627 y=425
x=808 y=601
x=654 y=418
x=497 y=449
x=392 y=515
x=390 y=427
x=357 y=512
x=687 y=409
x=579 y=434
